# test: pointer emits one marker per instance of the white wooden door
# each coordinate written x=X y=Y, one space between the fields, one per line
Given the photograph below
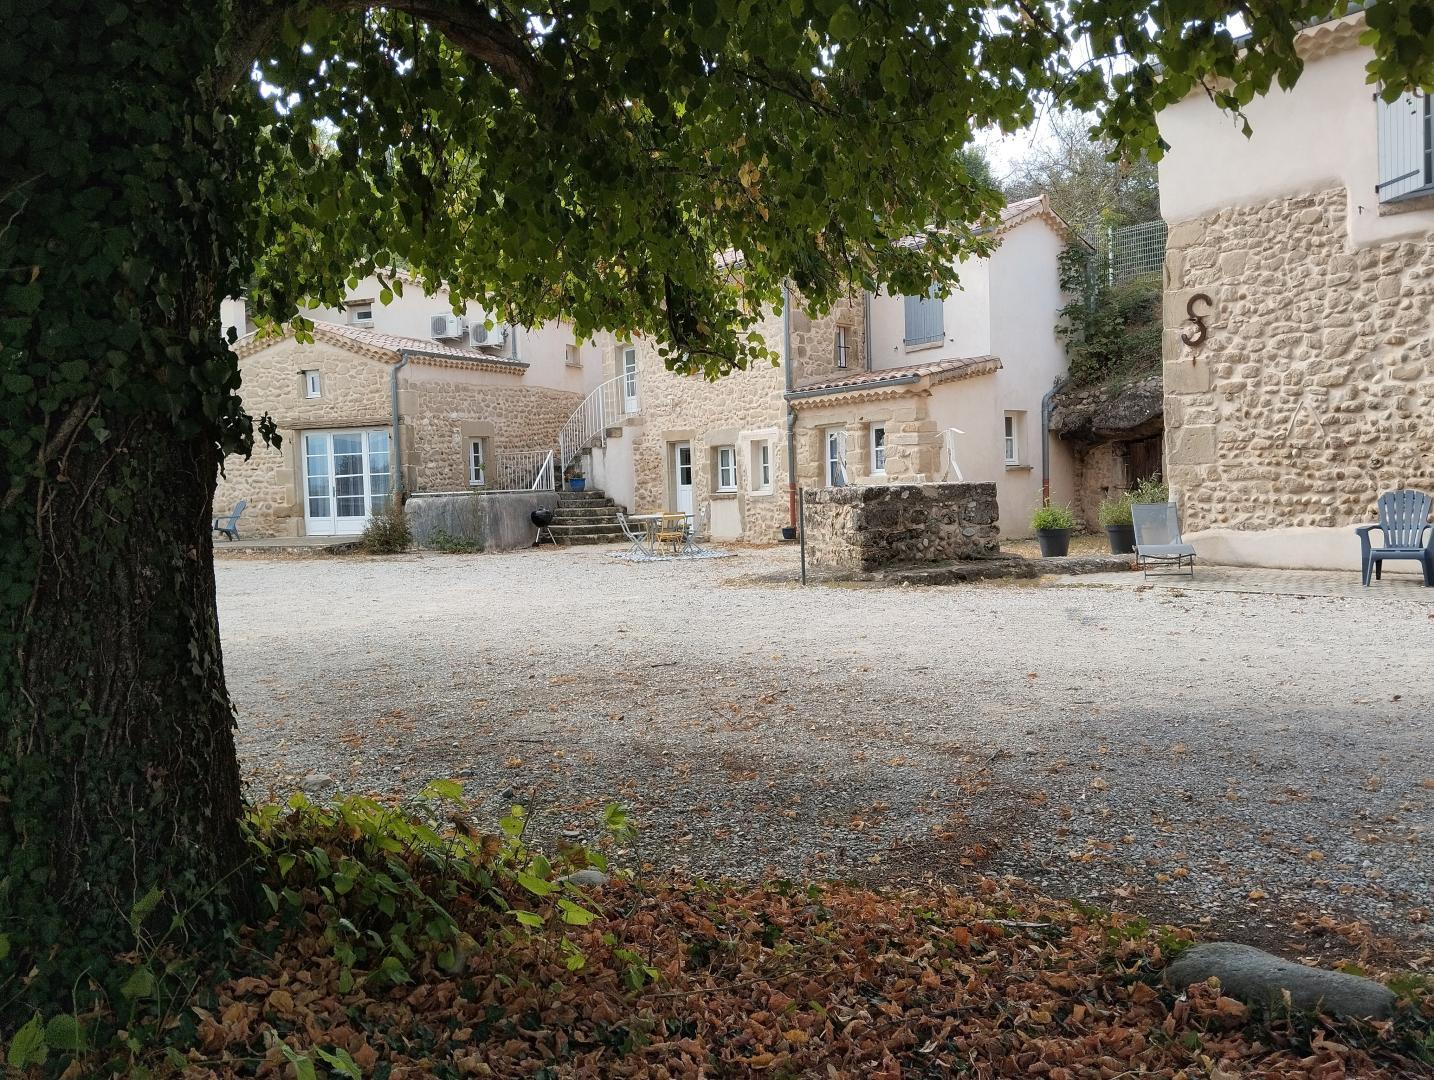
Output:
x=682 y=477
x=629 y=380
x=346 y=480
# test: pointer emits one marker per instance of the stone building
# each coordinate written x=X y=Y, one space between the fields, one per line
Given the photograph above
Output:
x=377 y=401
x=1307 y=252
x=881 y=389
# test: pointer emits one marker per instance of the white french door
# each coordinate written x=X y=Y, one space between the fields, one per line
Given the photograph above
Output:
x=682 y=477
x=346 y=480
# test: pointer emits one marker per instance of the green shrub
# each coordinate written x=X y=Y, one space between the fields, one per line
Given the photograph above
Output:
x=1053 y=516
x=1112 y=331
x=444 y=541
x=1151 y=490
x=387 y=532
x=1115 y=511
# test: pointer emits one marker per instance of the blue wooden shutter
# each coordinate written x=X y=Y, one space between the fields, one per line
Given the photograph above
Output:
x=924 y=319
x=1403 y=127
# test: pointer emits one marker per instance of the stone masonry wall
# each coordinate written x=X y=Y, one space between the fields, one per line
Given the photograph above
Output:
x=737 y=409
x=854 y=529
x=353 y=394
x=1315 y=389
x=436 y=406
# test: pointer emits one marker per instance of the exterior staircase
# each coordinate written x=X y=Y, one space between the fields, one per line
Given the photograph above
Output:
x=586 y=517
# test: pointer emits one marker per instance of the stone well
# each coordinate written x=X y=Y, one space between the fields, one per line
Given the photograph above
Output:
x=856 y=529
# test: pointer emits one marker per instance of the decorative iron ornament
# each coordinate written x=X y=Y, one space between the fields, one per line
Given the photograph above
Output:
x=1196 y=337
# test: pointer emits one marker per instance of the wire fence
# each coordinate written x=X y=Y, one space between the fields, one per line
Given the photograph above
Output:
x=1136 y=250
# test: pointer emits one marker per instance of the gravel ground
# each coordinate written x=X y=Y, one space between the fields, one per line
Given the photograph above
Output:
x=1259 y=762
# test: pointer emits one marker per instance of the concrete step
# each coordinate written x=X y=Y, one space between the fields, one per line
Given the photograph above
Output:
x=585 y=513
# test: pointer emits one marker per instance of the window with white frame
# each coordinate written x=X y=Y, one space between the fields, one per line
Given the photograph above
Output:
x=313 y=386
x=574 y=356
x=477 y=462
x=841 y=346
x=925 y=318
x=1011 y=441
x=1405 y=128
x=361 y=314
x=726 y=468
x=878 y=448
x=761 y=475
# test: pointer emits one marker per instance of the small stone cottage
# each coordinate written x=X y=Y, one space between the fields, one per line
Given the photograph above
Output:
x=399 y=395
x=1299 y=310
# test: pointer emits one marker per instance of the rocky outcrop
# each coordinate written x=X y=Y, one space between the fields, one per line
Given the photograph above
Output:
x=1097 y=414
x=1261 y=979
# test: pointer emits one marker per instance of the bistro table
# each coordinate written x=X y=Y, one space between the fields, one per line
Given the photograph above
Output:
x=649 y=523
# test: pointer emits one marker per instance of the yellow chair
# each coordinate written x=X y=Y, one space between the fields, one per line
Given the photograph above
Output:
x=672 y=529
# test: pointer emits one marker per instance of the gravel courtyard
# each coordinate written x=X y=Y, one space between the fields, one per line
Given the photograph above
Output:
x=1262 y=762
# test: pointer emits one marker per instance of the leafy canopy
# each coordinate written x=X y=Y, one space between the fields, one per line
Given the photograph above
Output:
x=606 y=162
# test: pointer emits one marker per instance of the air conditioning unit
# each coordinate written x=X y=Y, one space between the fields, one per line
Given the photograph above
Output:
x=447 y=327
x=480 y=335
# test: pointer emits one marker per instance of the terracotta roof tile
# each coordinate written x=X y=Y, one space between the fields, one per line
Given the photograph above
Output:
x=964 y=367
x=380 y=345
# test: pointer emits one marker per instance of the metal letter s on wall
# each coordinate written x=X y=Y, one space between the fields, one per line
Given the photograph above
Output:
x=1197 y=337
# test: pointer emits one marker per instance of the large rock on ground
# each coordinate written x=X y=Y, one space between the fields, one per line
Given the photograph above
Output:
x=1257 y=977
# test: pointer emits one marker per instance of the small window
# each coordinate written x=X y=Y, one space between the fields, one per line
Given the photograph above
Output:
x=841 y=347
x=925 y=318
x=878 y=448
x=360 y=314
x=312 y=386
x=1011 y=441
x=477 y=462
x=574 y=356
x=761 y=477
x=726 y=468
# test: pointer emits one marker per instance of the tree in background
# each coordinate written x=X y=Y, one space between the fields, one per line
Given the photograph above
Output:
x=582 y=159
x=1092 y=182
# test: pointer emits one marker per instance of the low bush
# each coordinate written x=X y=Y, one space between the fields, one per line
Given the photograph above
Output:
x=444 y=541
x=1115 y=511
x=1151 y=490
x=387 y=532
x=1053 y=516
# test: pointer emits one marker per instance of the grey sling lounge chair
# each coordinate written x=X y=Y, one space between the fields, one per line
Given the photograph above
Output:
x=1406 y=533
x=1157 y=539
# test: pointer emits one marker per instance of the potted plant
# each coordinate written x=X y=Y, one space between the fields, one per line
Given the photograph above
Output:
x=1115 y=516
x=789 y=532
x=1151 y=490
x=576 y=483
x=1053 y=524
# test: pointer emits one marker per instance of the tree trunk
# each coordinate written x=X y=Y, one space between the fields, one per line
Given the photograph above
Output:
x=118 y=772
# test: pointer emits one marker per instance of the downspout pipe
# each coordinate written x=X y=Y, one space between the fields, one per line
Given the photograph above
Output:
x=1046 y=403
x=791 y=412
x=866 y=327
x=403 y=357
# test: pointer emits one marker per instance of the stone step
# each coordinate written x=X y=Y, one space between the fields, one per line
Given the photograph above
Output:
x=586 y=528
x=585 y=513
x=583 y=498
x=572 y=539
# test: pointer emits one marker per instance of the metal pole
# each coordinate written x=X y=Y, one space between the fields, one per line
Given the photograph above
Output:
x=802 y=528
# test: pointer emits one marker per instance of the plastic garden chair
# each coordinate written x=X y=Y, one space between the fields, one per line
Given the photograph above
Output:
x=229 y=526
x=1157 y=539
x=1406 y=532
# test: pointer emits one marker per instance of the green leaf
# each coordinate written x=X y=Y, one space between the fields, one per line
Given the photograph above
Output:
x=28 y=1046
x=529 y=919
x=340 y=1059
x=575 y=914
x=64 y=1032
x=302 y=1063
x=286 y=863
x=451 y=790
x=143 y=908
x=139 y=984
x=535 y=885
x=845 y=23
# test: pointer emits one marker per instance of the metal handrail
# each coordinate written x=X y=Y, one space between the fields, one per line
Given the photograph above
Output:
x=587 y=427
x=524 y=470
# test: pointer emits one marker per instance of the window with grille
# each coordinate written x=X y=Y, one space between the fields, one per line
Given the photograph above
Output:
x=477 y=462
x=726 y=468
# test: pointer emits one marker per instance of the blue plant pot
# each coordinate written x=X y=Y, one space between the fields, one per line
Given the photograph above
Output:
x=577 y=483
